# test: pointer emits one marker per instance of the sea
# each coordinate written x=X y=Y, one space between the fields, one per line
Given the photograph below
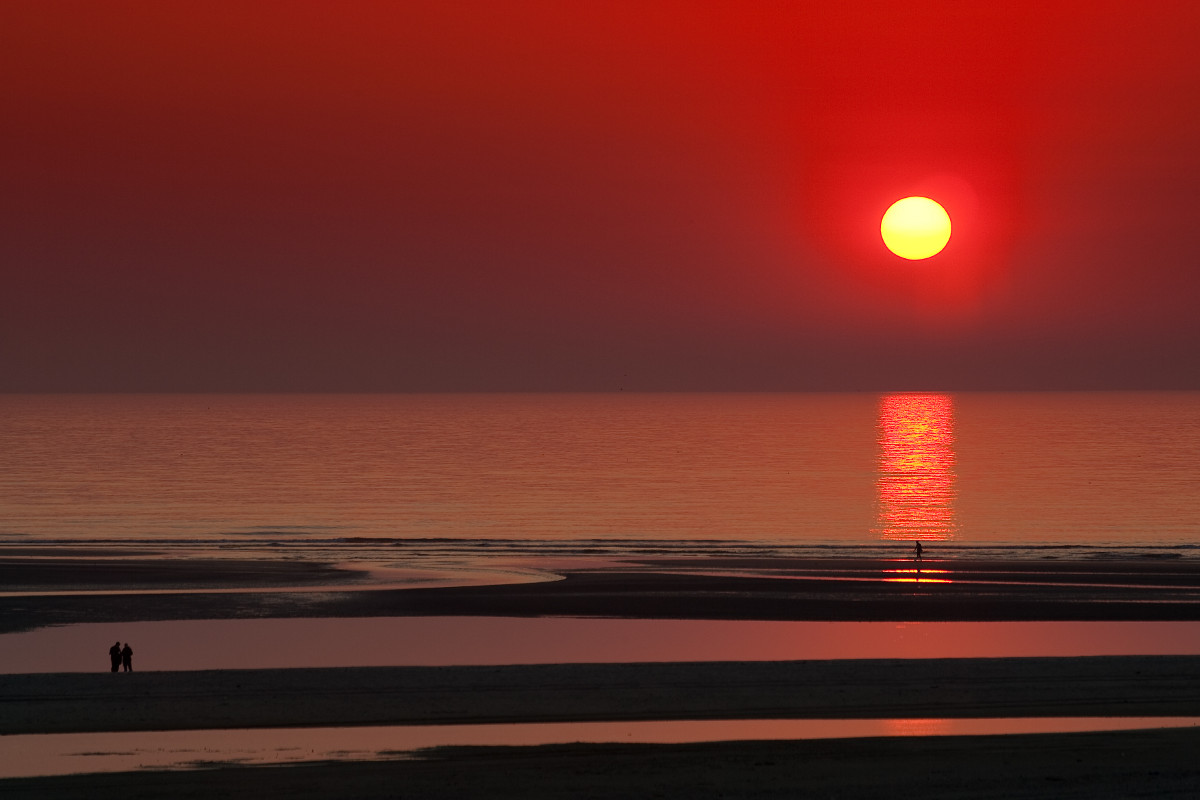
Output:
x=444 y=479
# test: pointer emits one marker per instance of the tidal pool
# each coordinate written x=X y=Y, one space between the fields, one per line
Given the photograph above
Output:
x=448 y=641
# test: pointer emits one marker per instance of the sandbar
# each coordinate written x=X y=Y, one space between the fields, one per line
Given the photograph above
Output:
x=859 y=688
x=702 y=588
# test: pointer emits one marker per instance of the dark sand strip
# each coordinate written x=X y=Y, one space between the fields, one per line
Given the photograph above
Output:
x=1096 y=766
x=796 y=590
x=1014 y=687
x=47 y=571
x=813 y=595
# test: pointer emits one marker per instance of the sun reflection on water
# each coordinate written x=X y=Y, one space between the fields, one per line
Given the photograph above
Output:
x=916 y=727
x=916 y=575
x=916 y=481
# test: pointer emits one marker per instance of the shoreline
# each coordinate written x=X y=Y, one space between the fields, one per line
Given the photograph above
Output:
x=700 y=588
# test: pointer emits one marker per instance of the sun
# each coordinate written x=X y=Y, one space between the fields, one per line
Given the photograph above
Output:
x=915 y=228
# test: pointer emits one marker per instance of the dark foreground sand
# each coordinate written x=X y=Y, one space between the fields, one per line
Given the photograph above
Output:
x=887 y=688
x=1162 y=764
x=1147 y=764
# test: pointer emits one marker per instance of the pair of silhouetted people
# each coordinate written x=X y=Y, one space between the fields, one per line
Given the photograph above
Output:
x=121 y=657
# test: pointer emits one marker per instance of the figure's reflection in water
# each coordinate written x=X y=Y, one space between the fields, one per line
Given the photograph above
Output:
x=916 y=490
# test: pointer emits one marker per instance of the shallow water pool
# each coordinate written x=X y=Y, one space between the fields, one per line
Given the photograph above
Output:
x=446 y=641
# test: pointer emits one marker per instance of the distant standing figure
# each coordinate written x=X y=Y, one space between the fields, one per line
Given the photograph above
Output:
x=127 y=657
x=918 y=550
x=114 y=654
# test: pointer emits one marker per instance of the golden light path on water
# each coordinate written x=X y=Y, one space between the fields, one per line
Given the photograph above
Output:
x=916 y=478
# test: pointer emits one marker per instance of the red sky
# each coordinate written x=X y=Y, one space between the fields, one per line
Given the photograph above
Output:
x=411 y=196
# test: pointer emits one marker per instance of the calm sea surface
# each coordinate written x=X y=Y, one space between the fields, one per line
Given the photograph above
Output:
x=1067 y=475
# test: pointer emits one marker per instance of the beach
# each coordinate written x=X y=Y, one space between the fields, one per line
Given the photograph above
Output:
x=1156 y=763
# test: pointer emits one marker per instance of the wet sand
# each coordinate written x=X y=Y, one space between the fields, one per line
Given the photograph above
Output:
x=882 y=688
x=1148 y=764
x=764 y=589
x=1097 y=766
x=1120 y=764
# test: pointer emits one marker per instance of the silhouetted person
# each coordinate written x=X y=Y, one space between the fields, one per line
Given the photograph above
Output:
x=918 y=550
x=114 y=654
x=127 y=658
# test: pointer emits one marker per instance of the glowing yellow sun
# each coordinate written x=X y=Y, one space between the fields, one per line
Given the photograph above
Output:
x=915 y=228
